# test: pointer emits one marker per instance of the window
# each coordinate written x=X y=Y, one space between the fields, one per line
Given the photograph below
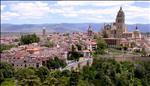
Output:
x=37 y=65
x=25 y=65
x=25 y=61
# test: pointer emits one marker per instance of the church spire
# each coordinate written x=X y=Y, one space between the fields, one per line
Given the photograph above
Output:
x=90 y=31
x=120 y=18
x=120 y=8
x=136 y=27
x=89 y=28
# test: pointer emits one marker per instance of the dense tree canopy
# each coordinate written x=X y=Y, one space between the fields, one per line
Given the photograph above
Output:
x=74 y=55
x=5 y=47
x=101 y=46
x=6 y=71
x=103 y=72
x=55 y=63
x=30 y=38
x=74 y=78
x=42 y=73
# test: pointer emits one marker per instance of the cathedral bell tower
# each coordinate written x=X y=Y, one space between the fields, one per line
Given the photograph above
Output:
x=120 y=23
x=90 y=31
x=120 y=18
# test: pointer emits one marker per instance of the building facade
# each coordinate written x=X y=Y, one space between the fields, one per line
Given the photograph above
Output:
x=117 y=33
x=117 y=28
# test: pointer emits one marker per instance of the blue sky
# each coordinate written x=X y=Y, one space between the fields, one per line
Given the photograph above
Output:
x=39 y=12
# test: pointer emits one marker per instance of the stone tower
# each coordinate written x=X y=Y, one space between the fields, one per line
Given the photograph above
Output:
x=120 y=23
x=90 y=31
x=44 y=31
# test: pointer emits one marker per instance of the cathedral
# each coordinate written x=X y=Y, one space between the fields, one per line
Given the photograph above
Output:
x=118 y=29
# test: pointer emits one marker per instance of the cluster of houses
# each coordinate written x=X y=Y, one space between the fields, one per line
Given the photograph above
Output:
x=33 y=55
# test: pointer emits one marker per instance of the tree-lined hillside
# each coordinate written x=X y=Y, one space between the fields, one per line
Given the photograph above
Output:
x=103 y=72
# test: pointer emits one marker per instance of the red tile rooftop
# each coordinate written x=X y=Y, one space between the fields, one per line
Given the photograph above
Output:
x=86 y=51
x=91 y=42
x=111 y=38
x=33 y=49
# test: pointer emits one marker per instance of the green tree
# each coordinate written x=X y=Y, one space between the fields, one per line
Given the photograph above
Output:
x=30 y=80
x=143 y=52
x=50 y=81
x=64 y=81
x=27 y=77
x=87 y=73
x=137 y=82
x=30 y=38
x=55 y=63
x=42 y=73
x=84 y=83
x=79 y=47
x=56 y=73
x=101 y=46
x=5 y=47
x=74 y=78
x=1 y=76
x=66 y=73
x=74 y=55
x=6 y=70
x=24 y=73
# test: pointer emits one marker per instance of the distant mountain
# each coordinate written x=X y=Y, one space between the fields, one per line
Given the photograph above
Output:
x=65 y=27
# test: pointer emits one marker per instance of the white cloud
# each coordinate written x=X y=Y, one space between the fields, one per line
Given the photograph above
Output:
x=94 y=3
x=134 y=12
x=69 y=3
x=8 y=15
x=109 y=14
x=65 y=11
x=113 y=3
x=109 y=10
x=26 y=11
x=30 y=10
x=75 y=9
x=101 y=11
x=97 y=13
